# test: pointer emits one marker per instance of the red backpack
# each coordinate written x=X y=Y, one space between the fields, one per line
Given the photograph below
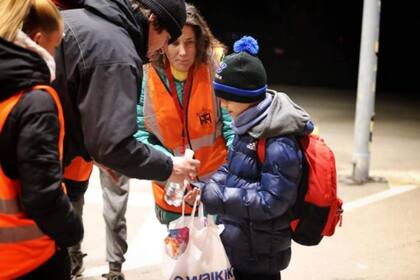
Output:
x=317 y=210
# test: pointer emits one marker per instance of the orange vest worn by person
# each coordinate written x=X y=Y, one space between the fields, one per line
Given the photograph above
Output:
x=78 y=171
x=23 y=246
x=199 y=127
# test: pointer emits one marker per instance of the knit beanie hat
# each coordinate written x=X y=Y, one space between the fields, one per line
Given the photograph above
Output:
x=170 y=13
x=241 y=76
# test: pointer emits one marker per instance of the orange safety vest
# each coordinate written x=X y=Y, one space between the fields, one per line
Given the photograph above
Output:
x=78 y=171
x=23 y=246
x=201 y=127
x=76 y=177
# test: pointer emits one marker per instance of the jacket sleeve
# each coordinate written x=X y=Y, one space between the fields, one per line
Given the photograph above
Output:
x=142 y=134
x=274 y=193
x=40 y=170
x=108 y=117
x=212 y=191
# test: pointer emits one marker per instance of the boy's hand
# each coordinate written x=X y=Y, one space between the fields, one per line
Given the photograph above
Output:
x=192 y=195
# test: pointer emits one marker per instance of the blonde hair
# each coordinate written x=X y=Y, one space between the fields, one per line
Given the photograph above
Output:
x=43 y=16
x=12 y=14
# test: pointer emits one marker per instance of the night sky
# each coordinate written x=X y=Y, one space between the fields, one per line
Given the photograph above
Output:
x=317 y=42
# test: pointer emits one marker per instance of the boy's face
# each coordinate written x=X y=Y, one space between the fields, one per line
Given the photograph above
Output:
x=235 y=108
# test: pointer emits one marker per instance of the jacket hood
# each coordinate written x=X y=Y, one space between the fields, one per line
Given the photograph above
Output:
x=284 y=117
x=20 y=69
x=120 y=13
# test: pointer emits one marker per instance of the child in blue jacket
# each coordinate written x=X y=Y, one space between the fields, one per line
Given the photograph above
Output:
x=252 y=198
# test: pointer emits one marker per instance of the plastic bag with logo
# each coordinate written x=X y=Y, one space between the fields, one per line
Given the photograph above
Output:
x=203 y=257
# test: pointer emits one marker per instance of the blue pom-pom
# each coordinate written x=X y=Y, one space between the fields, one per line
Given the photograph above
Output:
x=246 y=44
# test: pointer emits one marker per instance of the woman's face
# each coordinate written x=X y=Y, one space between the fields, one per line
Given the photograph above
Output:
x=181 y=53
x=49 y=41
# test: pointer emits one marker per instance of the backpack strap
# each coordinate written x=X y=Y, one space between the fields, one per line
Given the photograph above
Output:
x=261 y=149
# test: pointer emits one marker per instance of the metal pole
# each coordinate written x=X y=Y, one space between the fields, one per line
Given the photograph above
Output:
x=366 y=90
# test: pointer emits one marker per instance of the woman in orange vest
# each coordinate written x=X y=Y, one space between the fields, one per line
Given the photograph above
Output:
x=178 y=108
x=37 y=221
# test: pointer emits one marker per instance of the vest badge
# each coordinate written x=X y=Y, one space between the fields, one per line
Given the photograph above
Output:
x=205 y=118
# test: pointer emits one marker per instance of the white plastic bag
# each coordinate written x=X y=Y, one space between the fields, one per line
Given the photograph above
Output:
x=204 y=256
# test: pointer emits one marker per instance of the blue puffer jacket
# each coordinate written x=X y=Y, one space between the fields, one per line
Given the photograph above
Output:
x=253 y=199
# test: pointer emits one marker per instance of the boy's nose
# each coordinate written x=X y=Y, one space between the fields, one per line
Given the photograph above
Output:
x=223 y=102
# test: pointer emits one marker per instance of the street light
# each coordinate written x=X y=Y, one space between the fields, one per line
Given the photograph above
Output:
x=366 y=87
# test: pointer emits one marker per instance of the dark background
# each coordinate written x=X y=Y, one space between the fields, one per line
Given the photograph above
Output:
x=317 y=42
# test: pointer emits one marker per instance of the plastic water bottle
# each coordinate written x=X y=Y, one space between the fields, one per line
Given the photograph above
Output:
x=174 y=192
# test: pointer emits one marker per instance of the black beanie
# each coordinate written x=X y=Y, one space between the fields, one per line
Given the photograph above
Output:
x=171 y=15
x=241 y=76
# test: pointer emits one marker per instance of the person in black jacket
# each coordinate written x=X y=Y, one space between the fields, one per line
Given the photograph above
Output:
x=30 y=148
x=99 y=73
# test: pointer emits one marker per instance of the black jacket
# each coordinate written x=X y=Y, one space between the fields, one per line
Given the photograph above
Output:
x=99 y=74
x=29 y=145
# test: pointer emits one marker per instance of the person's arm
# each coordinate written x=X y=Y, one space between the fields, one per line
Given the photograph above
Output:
x=108 y=117
x=270 y=197
x=212 y=191
x=40 y=170
x=142 y=134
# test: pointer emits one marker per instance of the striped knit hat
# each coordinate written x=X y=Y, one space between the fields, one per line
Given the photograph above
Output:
x=241 y=76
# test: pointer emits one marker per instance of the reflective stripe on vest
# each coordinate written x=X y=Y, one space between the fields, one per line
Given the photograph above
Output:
x=204 y=125
x=19 y=234
x=9 y=206
x=23 y=245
